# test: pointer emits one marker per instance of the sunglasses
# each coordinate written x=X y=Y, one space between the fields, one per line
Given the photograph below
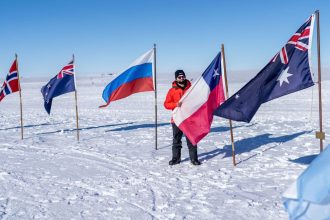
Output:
x=181 y=77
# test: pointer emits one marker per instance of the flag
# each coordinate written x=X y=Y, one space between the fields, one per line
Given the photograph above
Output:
x=138 y=77
x=195 y=115
x=309 y=196
x=62 y=83
x=287 y=72
x=11 y=84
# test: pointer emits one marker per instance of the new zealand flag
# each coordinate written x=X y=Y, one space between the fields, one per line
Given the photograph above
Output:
x=11 y=84
x=287 y=72
x=62 y=83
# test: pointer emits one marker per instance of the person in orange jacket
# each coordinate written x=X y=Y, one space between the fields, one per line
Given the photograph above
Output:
x=179 y=87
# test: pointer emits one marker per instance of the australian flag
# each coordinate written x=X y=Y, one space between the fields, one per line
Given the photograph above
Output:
x=287 y=72
x=11 y=84
x=62 y=83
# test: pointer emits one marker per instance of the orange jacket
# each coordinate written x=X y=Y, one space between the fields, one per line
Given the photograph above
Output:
x=174 y=95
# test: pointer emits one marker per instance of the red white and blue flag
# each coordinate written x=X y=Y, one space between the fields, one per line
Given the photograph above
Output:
x=195 y=115
x=287 y=72
x=11 y=84
x=138 y=77
x=68 y=69
x=60 y=84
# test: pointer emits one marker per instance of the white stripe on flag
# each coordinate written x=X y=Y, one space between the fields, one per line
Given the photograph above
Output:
x=284 y=56
x=145 y=58
x=194 y=98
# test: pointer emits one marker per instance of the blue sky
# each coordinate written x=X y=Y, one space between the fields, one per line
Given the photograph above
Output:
x=106 y=36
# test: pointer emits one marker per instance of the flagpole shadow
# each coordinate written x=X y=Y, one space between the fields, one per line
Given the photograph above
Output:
x=86 y=128
x=225 y=128
x=220 y=129
x=28 y=126
x=138 y=126
x=305 y=160
x=250 y=144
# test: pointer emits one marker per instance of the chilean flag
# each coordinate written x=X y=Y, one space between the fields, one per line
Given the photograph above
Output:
x=195 y=115
x=138 y=77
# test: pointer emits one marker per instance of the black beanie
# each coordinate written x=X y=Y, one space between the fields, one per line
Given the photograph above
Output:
x=179 y=73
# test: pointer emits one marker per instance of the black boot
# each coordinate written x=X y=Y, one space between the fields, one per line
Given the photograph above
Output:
x=176 y=156
x=174 y=161
x=193 y=155
x=196 y=162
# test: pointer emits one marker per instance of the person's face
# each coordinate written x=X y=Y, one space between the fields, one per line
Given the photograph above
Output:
x=180 y=79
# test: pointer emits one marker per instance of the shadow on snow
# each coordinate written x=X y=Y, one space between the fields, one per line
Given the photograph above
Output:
x=304 y=159
x=87 y=128
x=132 y=127
x=249 y=144
x=227 y=128
x=28 y=126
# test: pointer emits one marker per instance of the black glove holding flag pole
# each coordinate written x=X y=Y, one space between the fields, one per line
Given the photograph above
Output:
x=62 y=83
x=287 y=72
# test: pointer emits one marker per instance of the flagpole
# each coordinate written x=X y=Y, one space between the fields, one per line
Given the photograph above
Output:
x=226 y=85
x=155 y=87
x=320 y=135
x=20 y=97
x=76 y=99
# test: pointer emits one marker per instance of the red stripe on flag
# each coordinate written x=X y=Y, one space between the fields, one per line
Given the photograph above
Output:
x=301 y=47
x=127 y=89
x=13 y=67
x=2 y=96
x=198 y=125
x=294 y=38
x=284 y=55
x=13 y=85
x=68 y=67
x=305 y=33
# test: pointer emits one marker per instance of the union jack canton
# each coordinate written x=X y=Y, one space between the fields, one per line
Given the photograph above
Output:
x=68 y=69
x=300 y=40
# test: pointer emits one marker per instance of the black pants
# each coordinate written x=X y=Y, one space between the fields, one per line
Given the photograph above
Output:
x=177 y=145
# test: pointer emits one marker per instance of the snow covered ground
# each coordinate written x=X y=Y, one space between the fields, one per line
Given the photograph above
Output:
x=114 y=172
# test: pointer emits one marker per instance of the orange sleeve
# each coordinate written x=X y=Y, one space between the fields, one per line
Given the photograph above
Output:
x=169 y=102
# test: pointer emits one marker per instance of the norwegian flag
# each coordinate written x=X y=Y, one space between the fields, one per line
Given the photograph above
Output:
x=287 y=72
x=11 y=84
x=68 y=69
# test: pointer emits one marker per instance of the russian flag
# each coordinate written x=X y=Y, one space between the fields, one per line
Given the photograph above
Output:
x=138 y=77
x=195 y=115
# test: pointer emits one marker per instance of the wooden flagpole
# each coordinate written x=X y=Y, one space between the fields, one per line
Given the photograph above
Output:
x=320 y=134
x=230 y=123
x=20 y=97
x=155 y=87
x=76 y=99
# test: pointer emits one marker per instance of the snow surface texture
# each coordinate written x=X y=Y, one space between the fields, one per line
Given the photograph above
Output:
x=114 y=172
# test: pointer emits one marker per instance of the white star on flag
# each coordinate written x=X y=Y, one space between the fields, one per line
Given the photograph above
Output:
x=216 y=73
x=237 y=96
x=284 y=76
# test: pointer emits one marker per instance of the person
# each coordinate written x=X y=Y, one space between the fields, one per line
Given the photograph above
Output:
x=179 y=86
